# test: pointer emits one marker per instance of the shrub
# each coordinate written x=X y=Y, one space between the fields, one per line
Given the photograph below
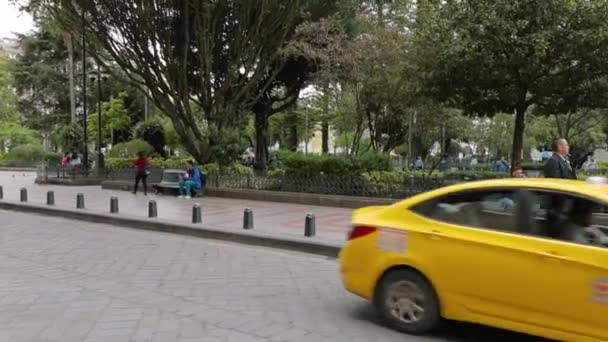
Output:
x=52 y=158
x=295 y=163
x=70 y=138
x=238 y=169
x=373 y=161
x=153 y=133
x=174 y=163
x=130 y=149
x=275 y=173
x=26 y=155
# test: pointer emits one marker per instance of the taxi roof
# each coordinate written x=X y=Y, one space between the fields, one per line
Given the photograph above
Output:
x=597 y=191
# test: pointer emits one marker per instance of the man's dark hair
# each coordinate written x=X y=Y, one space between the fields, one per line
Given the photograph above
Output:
x=190 y=162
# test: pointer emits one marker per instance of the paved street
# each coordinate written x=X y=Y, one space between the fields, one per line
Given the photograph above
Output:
x=222 y=213
x=63 y=280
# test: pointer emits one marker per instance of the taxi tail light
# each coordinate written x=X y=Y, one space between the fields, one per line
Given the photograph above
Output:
x=360 y=231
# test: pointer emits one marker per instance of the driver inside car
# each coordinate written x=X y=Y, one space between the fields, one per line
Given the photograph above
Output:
x=580 y=219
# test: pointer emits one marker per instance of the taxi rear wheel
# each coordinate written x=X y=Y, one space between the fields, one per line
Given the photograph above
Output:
x=408 y=303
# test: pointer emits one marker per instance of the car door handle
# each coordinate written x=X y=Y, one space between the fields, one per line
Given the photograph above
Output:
x=555 y=255
x=436 y=235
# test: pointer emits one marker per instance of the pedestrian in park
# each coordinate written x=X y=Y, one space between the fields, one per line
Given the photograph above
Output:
x=191 y=179
x=65 y=159
x=518 y=172
x=141 y=172
x=75 y=160
x=559 y=166
x=500 y=165
x=419 y=165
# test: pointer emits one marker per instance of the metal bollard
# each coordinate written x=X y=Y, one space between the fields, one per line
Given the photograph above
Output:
x=114 y=205
x=197 y=216
x=23 y=195
x=50 y=198
x=310 y=226
x=248 y=219
x=1 y=192
x=152 y=209
x=80 y=201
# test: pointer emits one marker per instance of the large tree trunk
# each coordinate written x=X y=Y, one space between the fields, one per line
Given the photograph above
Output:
x=292 y=140
x=261 y=141
x=325 y=136
x=518 y=135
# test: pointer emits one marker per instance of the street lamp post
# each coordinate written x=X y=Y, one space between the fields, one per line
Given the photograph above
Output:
x=85 y=152
x=99 y=158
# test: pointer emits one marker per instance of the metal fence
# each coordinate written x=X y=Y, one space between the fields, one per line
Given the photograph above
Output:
x=66 y=172
x=330 y=185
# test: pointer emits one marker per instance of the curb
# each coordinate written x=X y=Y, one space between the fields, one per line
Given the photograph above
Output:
x=243 y=237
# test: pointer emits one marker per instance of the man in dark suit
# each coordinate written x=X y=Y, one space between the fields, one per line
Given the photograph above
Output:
x=558 y=166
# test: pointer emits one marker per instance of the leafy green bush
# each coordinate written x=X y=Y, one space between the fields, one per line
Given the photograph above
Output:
x=52 y=158
x=238 y=169
x=533 y=166
x=373 y=161
x=70 y=138
x=130 y=149
x=475 y=175
x=295 y=163
x=26 y=155
x=275 y=173
x=153 y=133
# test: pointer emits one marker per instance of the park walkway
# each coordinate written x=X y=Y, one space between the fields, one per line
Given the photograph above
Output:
x=219 y=213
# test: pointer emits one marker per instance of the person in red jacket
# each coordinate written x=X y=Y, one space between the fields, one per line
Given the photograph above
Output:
x=141 y=172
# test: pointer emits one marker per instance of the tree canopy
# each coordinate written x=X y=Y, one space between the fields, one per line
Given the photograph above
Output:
x=506 y=56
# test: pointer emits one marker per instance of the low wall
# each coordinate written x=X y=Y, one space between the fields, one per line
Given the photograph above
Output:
x=17 y=169
x=69 y=181
x=276 y=196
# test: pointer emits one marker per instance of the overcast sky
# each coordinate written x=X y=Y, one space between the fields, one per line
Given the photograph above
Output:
x=11 y=20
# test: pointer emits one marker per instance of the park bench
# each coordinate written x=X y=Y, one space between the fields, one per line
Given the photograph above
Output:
x=169 y=183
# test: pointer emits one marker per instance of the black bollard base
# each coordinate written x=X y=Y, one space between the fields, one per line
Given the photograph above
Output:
x=197 y=215
x=80 y=201
x=310 y=226
x=248 y=219
x=23 y=195
x=152 y=209
x=50 y=198
x=114 y=205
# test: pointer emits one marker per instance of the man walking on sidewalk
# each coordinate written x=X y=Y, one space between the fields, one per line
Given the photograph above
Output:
x=141 y=172
x=559 y=166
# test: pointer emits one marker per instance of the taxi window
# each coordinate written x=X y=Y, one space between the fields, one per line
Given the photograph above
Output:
x=571 y=218
x=488 y=209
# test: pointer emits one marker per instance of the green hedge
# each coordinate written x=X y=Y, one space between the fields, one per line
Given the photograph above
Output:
x=177 y=163
x=295 y=163
x=173 y=163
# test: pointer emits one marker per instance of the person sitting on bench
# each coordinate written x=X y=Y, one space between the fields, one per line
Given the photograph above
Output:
x=189 y=180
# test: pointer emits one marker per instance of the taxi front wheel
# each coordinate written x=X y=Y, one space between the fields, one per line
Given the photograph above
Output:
x=408 y=303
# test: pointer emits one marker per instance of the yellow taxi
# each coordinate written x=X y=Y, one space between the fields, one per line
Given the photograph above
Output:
x=528 y=255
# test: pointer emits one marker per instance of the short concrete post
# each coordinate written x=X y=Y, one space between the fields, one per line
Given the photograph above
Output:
x=23 y=195
x=80 y=201
x=50 y=198
x=248 y=219
x=114 y=205
x=310 y=226
x=152 y=209
x=197 y=216
x=1 y=193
